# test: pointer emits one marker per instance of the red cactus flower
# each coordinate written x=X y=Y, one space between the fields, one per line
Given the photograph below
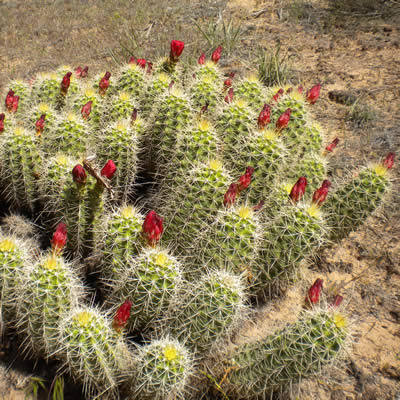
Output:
x=134 y=115
x=149 y=67
x=9 y=100
x=141 y=62
x=14 y=108
x=122 y=316
x=79 y=174
x=66 y=81
x=313 y=94
x=171 y=84
x=230 y=195
x=228 y=82
x=202 y=59
x=216 y=55
x=337 y=301
x=332 y=146
x=278 y=94
x=2 y=116
x=109 y=169
x=320 y=194
x=132 y=60
x=104 y=83
x=314 y=292
x=40 y=123
x=176 y=50
x=298 y=189
x=59 y=238
x=290 y=90
x=86 y=110
x=84 y=72
x=389 y=160
x=152 y=228
x=245 y=180
x=229 y=97
x=283 y=120
x=78 y=71
x=265 y=117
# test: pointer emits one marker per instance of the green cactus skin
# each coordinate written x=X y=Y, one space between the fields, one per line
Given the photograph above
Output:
x=149 y=281
x=13 y=263
x=294 y=235
x=70 y=136
x=35 y=113
x=209 y=70
x=20 y=162
x=188 y=206
x=297 y=103
x=93 y=351
x=231 y=242
x=353 y=201
x=251 y=90
x=282 y=359
x=85 y=95
x=120 y=143
x=23 y=90
x=304 y=140
x=207 y=311
x=161 y=370
x=47 y=293
x=122 y=240
x=277 y=199
x=157 y=86
x=173 y=116
x=205 y=91
x=131 y=80
x=119 y=107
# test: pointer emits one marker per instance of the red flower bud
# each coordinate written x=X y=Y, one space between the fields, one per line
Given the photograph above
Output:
x=313 y=94
x=228 y=82
x=176 y=50
x=202 y=59
x=59 y=238
x=78 y=71
x=104 y=83
x=290 y=90
x=86 y=110
x=332 y=146
x=132 y=60
x=204 y=109
x=66 y=81
x=216 y=55
x=9 y=100
x=141 y=62
x=40 y=123
x=152 y=228
x=149 y=67
x=337 y=301
x=79 y=174
x=278 y=94
x=283 y=120
x=245 y=180
x=319 y=195
x=259 y=206
x=265 y=117
x=84 y=72
x=389 y=160
x=298 y=189
x=134 y=115
x=314 y=292
x=326 y=183
x=122 y=315
x=229 y=97
x=230 y=195
x=171 y=84
x=15 y=104
x=2 y=116
x=109 y=169
x=300 y=89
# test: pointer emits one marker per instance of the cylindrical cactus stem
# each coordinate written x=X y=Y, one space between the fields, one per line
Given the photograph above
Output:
x=48 y=293
x=149 y=281
x=121 y=240
x=132 y=80
x=252 y=91
x=20 y=163
x=157 y=85
x=205 y=93
x=161 y=370
x=93 y=352
x=119 y=107
x=280 y=360
x=82 y=98
x=43 y=128
x=296 y=233
x=13 y=267
x=353 y=201
x=207 y=311
x=209 y=70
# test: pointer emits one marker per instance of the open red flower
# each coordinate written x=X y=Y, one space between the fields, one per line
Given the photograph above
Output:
x=109 y=169
x=245 y=180
x=152 y=228
x=265 y=117
x=230 y=195
x=315 y=291
x=122 y=316
x=79 y=174
x=389 y=160
x=216 y=55
x=283 y=120
x=332 y=146
x=59 y=238
x=313 y=94
x=176 y=50
x=298 y=189
x=141 y=62
x=66 y=81
x=104 y=83
x=9 y=100
x=202 y=59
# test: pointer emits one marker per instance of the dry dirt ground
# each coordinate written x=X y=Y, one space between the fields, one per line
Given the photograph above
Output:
x=348 y=46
